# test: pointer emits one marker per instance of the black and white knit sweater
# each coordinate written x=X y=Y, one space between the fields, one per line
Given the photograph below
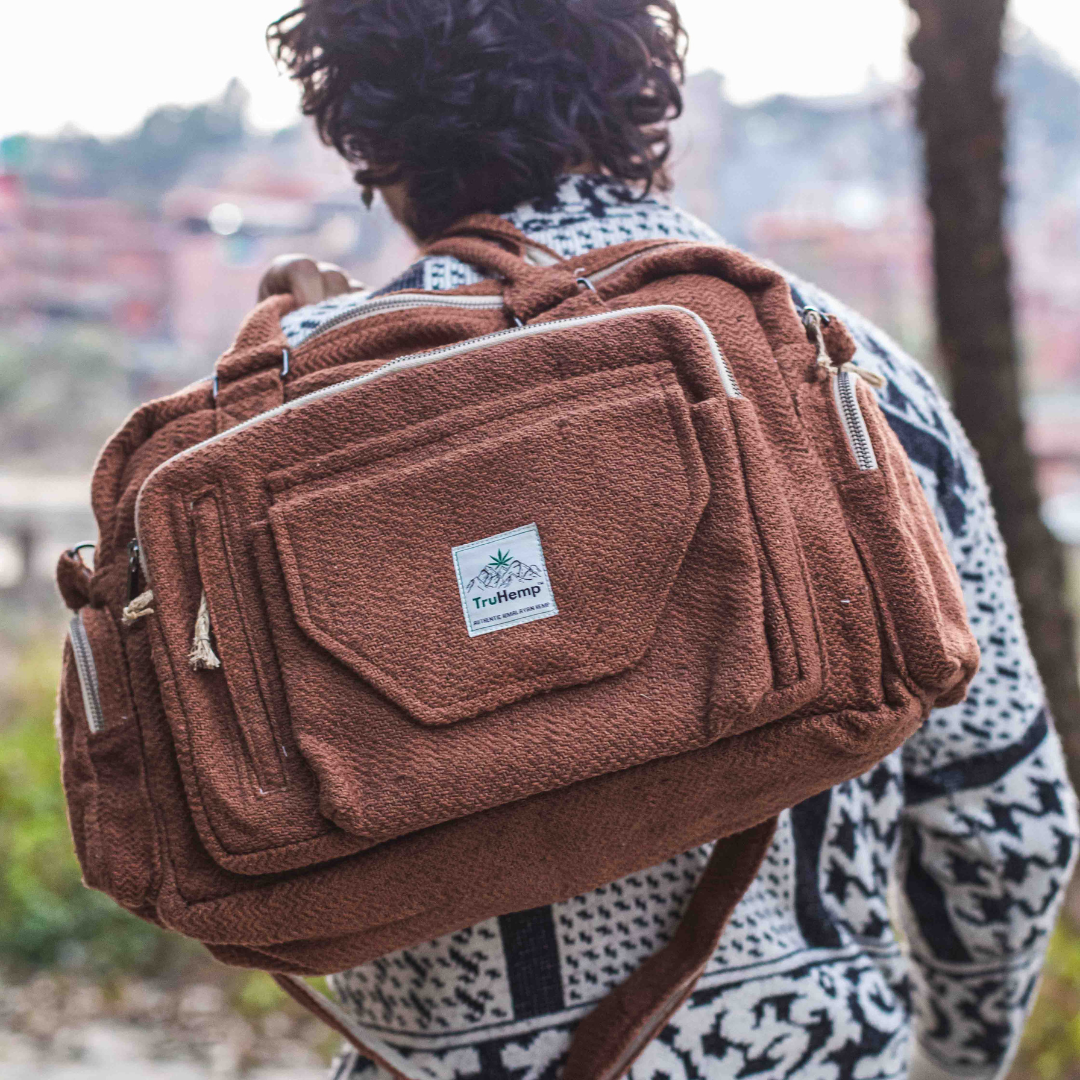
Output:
x=971 y=828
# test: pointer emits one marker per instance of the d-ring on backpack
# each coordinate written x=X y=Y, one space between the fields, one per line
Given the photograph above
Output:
x=479 y=600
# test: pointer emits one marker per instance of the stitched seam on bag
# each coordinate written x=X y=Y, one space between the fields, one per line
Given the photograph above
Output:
x=895 y=639
x=770 y=562
x=159 y=839
x=261 y=679
x=815 y=620
x=792 y=692
x=813 y=455
x=205 y=908
x=889 y=637
x=589 y=657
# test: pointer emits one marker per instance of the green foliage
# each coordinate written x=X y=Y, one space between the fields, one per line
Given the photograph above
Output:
x=47 y=917
x=257 y=995
x=254 y=994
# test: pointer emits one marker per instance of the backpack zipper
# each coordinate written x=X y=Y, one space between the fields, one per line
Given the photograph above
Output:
x=88 y=677
x=133 y=569
x=381 y=305
x=844 y=392
x=851 y=416
x=727 y=375
x=422 y=359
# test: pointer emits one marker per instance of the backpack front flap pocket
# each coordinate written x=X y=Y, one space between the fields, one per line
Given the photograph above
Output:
x=531 y=560
x=412 y=703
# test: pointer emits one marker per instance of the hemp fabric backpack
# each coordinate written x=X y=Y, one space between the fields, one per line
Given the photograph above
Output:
x=478 y=600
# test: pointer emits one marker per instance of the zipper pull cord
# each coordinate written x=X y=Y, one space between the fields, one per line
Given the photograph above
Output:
x=814 y=321
x=138 y=608
x=202 y=656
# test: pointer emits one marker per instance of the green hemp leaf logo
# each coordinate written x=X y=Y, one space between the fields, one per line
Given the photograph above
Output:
x=501 y=558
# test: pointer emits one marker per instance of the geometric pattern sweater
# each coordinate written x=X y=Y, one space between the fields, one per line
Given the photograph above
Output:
x=900 y=916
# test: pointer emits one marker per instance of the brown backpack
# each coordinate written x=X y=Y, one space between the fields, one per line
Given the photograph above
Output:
x=477 y=600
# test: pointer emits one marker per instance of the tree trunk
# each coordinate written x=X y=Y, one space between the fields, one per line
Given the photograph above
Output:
x=961 y=114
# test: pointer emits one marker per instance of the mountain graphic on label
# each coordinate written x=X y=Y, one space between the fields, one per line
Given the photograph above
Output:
x=503 y=571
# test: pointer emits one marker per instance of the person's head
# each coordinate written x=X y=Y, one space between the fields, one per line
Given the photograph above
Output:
x=458 y=106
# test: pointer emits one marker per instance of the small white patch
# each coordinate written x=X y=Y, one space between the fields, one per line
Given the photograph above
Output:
x=503 y=581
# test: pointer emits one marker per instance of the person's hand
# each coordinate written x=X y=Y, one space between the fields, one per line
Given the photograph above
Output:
x=309 y=281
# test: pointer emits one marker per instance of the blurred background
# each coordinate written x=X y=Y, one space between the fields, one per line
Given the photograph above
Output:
x=152 y=162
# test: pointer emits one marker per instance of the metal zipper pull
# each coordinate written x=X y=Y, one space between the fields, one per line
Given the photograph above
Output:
x=847 y=401
x=138 y=605
x=133 y=569
x=815 y=322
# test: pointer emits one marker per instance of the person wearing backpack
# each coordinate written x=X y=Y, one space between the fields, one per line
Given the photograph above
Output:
x=554 y=115
x=573 y=645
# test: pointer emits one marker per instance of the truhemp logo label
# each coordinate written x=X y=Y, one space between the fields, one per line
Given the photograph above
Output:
x=503 y=581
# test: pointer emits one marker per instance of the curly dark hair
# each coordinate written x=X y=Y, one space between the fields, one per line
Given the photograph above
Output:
x=481 y=104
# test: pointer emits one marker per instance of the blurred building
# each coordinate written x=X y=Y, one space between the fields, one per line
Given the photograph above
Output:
x=177 y=277
x=87 y=259
x=871 y=251
x=228 y=220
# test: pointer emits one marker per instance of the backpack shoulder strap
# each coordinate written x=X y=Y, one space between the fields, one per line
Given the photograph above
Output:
x=611 y=1038
x=335 y=1017
x=508 y=236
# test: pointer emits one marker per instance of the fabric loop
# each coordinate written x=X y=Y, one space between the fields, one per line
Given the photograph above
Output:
x=73 y=580
x=529 y=290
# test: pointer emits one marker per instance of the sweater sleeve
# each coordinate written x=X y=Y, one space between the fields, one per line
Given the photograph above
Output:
x=990 y=827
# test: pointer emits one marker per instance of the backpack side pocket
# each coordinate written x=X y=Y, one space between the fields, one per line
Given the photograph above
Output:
x=102 y=763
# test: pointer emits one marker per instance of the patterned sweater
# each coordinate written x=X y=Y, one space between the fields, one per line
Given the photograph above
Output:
x=961 y=841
